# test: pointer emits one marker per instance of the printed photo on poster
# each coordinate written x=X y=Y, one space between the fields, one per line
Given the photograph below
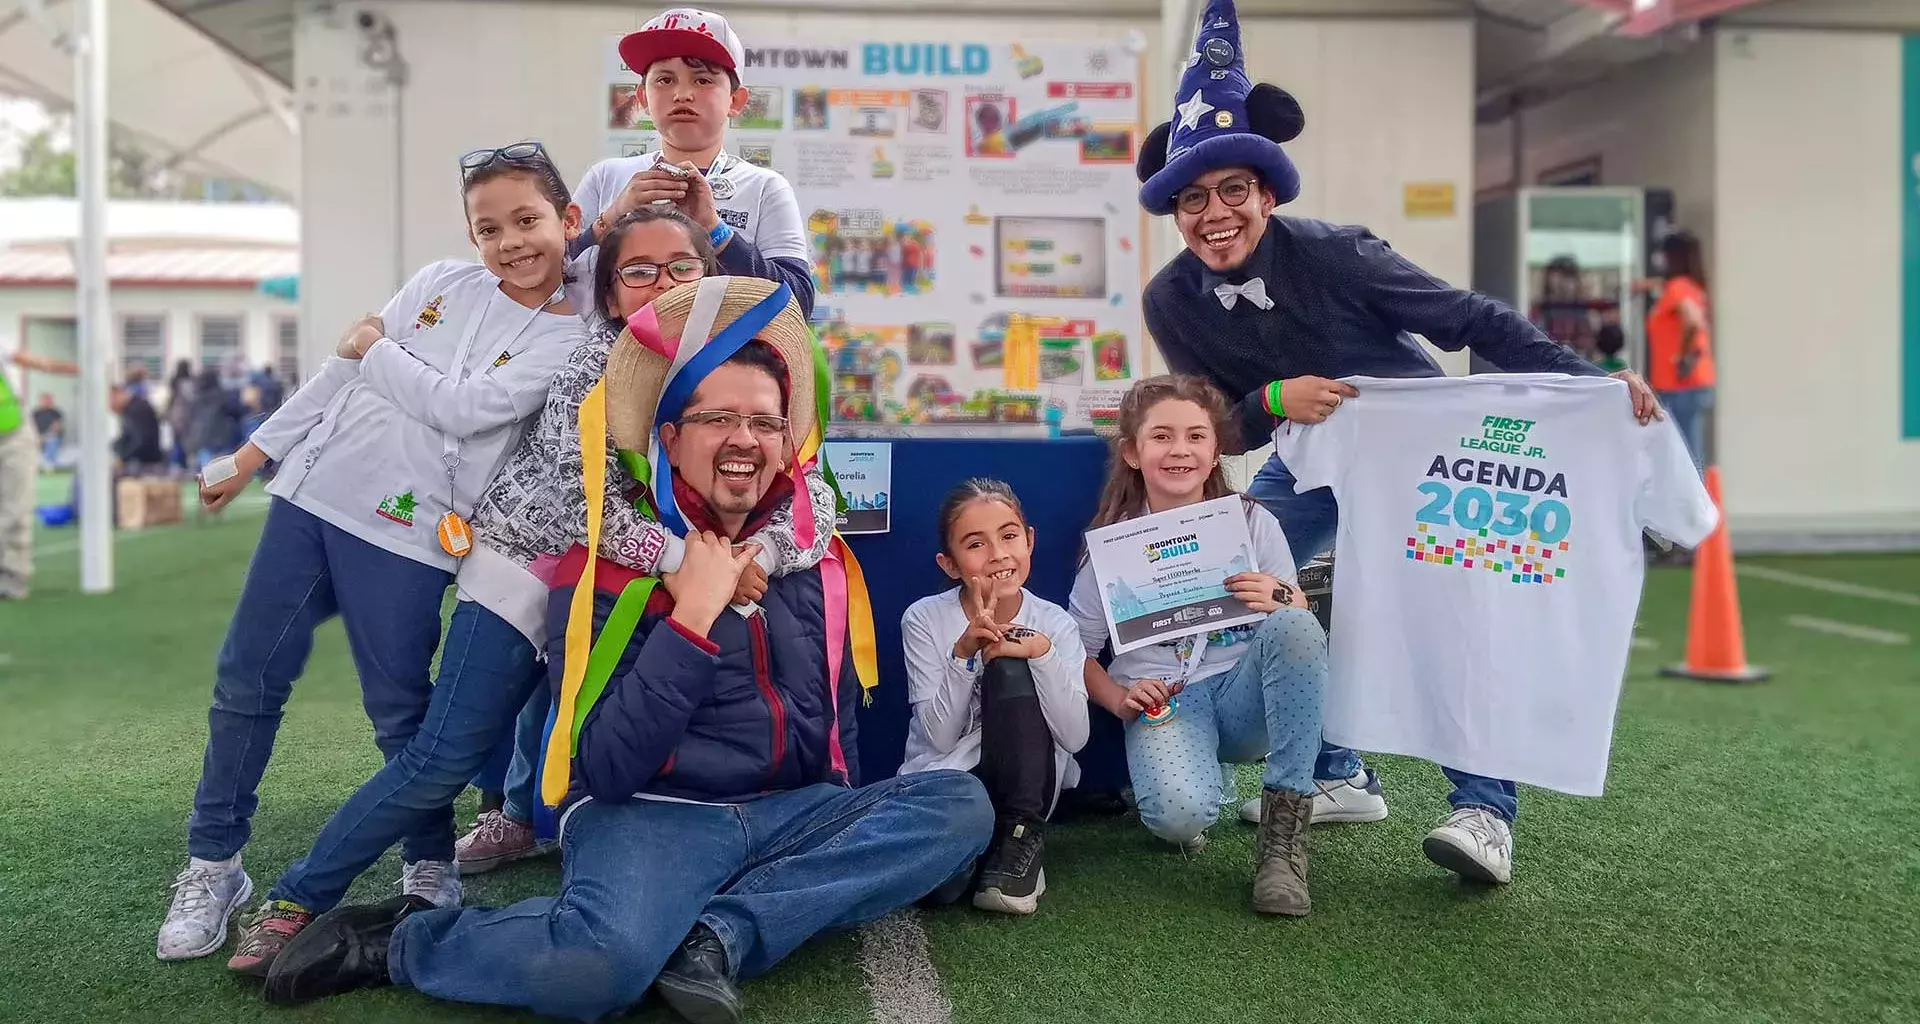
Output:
x=865 y=251
x=762 y=112
x=873 y=122
x=624 y=111
x=638 y=145
x=1051 y=257
x=1107 y=144
x=1163 y=576
x=810 y=109
x=759 y=154
x=1061 y=362
x=864 y=471
x=1110 y=356
x=988 y=117
x=930 y=344
x=929 y=111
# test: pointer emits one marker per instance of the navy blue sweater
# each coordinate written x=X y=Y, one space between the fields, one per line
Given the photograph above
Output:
x=1345 y=304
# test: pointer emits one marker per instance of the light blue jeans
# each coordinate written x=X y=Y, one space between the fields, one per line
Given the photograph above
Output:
x=1267 y=706
x=1309 y=518
x=765 y=875
x=1690 y=410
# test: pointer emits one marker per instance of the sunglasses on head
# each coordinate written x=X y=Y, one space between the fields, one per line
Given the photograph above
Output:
x=530 y=155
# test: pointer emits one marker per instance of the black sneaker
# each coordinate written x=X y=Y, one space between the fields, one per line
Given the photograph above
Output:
x=1012 y=881
x=698 y=982
x=342 y=950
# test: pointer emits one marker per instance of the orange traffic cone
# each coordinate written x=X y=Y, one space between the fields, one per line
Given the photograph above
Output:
x=1716 y=646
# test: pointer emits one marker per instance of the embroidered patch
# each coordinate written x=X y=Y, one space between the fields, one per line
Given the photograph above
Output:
x=431 y=315
x=398 y=508
x=503 y=358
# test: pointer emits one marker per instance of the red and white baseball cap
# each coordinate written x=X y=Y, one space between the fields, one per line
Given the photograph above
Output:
x=683 y=32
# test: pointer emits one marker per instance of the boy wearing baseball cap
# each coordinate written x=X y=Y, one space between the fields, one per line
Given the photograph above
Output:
x=689 y=61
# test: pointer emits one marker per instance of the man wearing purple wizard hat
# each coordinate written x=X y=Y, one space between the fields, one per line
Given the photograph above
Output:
x=1273 y=310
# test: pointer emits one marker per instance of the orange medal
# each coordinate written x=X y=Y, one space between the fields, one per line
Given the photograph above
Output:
x=455 y=536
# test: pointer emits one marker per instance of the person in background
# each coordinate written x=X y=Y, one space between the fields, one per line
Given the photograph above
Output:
x=138 y=446
x=691 y=61
x=1274 y=311
x=213 y=418
x=18 y=459
x=1680 y=343
x=50 y=424
x=180 y=413
x=1608 y=343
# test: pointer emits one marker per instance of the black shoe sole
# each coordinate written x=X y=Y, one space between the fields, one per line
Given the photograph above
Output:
x=701 y=1001
x=313 y=965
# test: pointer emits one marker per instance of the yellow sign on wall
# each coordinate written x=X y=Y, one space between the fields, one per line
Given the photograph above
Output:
x=1429 y=199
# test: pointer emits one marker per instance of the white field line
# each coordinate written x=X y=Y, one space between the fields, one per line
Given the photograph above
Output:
x=901 y=979
x=1794 y=579
x=1849 y=630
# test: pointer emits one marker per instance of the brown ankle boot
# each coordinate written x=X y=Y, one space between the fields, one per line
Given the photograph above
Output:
x=1280 y=878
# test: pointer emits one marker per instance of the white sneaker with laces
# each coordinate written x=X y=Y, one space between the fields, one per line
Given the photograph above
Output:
x=1473 y=843
x=1338 y=800
x=436 y=881
x=205 y=897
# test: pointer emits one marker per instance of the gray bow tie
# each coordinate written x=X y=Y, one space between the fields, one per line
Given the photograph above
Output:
x=1255 y=290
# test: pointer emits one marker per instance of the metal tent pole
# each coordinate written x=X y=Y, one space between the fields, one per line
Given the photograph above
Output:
x=90 y=276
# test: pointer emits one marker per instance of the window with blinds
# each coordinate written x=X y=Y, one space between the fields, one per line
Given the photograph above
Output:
x=143 y=342
x=286 y=361
x=220 y=338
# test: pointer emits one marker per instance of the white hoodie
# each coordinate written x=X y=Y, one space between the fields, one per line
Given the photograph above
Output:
x=365 y=444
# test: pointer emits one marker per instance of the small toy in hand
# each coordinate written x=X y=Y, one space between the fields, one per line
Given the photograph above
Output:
x=1160 y=715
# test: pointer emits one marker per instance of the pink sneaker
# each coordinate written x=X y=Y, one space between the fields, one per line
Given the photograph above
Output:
x=495 y=840
x=265 y=934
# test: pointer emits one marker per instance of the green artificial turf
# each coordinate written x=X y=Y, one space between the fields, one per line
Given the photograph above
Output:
x=1754 y=859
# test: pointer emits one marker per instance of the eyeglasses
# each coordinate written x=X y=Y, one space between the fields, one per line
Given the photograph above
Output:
x=762 y=425
x=641 y=275
x=1233 y=192
x=524 y=154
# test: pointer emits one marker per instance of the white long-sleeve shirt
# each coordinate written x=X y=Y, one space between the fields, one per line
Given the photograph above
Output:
x=944 y=691
x=364 y=444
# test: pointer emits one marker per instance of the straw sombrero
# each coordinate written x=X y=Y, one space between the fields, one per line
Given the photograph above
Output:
x=655 y=365
x=688 y=331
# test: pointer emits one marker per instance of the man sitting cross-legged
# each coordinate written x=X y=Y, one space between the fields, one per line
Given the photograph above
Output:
x=713 y=825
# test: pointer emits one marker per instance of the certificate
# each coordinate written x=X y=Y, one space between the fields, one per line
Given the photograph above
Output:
x=1164 y=575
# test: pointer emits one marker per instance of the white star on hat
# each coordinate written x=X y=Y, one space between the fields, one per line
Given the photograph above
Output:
x=1192 y=109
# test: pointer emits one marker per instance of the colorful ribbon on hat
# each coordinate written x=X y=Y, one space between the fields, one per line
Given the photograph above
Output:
x=589 y=663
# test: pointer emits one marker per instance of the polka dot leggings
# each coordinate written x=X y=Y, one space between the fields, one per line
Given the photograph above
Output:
x=1267 y=706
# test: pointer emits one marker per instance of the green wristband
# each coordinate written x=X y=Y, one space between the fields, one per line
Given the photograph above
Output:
x=1273 y=400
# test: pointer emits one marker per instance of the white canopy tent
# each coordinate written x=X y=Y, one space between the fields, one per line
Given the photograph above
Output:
x=179 y=90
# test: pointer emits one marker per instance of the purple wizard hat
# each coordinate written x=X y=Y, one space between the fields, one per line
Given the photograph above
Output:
x=1221 y=120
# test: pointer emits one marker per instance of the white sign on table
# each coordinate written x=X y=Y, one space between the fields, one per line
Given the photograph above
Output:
x=1163 y=576
x=864 y=470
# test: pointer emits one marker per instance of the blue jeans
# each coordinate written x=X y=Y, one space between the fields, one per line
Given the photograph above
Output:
x=1309 y=520
x=511 y=768
x=765 y=875
x=485 y=675
x=305 y=572
x=1690 y=410
x=1267 y=706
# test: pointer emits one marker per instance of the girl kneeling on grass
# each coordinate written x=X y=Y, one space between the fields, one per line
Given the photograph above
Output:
x=382 y=456
x=1239 y=694
x=995 y=680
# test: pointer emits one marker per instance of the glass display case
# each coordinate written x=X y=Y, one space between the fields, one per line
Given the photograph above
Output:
x=1569 y=258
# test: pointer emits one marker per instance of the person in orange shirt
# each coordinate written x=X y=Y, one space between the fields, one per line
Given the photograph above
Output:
x=1680 y=343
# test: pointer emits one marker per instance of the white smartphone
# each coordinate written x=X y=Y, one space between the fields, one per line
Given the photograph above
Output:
x=219 y=471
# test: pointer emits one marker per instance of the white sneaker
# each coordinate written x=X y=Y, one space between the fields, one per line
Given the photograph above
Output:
x=1473 y=843
x=205 y=897
x=436 y=881
x=1355 y=799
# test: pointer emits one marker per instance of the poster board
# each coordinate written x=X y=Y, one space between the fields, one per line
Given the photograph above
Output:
x=976 y=233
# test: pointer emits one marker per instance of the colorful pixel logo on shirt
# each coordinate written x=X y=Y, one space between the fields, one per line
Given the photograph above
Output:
x=1520 y=563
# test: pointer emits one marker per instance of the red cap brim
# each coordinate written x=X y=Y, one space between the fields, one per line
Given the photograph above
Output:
x=642 y=49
